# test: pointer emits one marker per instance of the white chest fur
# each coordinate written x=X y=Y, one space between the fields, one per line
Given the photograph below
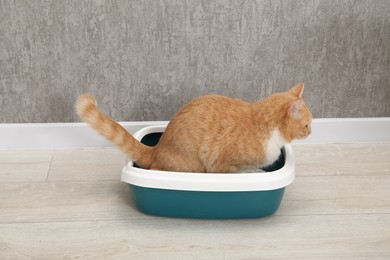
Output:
x=272 y=147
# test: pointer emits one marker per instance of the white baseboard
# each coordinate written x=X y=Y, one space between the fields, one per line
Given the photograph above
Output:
x=79 y=135
x=349 y=130
x=59 y=135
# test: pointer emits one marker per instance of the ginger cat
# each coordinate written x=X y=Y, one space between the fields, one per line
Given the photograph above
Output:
x=213 y=134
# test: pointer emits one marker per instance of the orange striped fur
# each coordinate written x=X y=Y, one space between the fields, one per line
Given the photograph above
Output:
x=212 y=133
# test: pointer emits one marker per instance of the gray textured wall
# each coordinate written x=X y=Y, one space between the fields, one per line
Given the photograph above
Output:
x=143 y=59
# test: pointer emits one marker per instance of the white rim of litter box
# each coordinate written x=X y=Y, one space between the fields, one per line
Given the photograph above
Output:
x=209 y=181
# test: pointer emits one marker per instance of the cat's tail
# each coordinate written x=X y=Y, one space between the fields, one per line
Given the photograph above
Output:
x=139 y=153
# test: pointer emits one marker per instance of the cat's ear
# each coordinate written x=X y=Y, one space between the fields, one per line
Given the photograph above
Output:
x=297 y=90
x=293 y=110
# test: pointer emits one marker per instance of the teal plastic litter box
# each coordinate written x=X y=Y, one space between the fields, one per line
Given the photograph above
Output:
x=207 y=195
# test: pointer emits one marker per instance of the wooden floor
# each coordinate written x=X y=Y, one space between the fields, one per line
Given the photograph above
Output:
x=70 y=204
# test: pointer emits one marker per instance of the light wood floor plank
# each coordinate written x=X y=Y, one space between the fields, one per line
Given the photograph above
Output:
x=25 y=156
x=110 y=200
x=24 y=165
x=329 y=153
x=342 y=159
x=86 y=165
x=24 y=172
x=337 y=195
x=64 y=201
x=337 y=208
x=159 y=238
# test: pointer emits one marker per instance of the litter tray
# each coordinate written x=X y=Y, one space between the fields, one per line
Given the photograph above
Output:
x=207 y=195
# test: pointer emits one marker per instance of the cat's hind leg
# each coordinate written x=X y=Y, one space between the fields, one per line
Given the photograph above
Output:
x=170 y=161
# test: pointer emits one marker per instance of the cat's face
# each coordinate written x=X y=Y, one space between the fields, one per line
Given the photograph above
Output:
x=302 y=124
x=299 y=115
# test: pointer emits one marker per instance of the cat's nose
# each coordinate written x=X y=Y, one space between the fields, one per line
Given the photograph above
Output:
x=309 y=130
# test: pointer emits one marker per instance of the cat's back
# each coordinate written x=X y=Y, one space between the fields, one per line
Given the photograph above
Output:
x=210 y=109
x=206 y=116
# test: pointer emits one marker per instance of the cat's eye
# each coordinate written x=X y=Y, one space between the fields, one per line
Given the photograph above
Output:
x=307 y=125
